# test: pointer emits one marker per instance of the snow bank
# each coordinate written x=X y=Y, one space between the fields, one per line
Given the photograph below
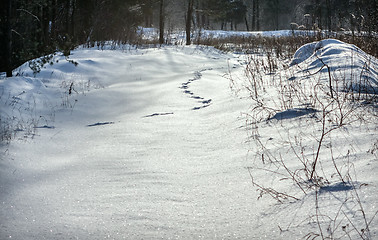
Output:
x=23 y=106
x=347 y=63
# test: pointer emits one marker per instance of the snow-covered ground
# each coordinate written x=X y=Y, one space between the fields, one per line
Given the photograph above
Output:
x=313 y=126
x=180 y=36
x=155 y=143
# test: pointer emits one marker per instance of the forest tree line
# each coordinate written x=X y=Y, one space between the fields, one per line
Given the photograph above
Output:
x=32 y=28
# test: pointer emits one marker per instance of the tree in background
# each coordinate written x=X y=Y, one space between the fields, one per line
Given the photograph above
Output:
x=188 y=21
x=161 y=22
x=30 y=29
x=7 y=35
x=235 y=13
x=148 y=12
x=364 y=15
x=35 y=28
x=256 y=15
x=227 y=12
x=333 y=15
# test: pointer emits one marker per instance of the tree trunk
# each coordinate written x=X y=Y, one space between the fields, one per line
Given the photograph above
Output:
x=67 y=16
x=258 y=15
x=8 y=47
x=73 y=13
x=53 y=20
x=329 y=23
x=318 y=13
x=189 y=21
x=254 y=15
x=161 y=22
x=45 y=25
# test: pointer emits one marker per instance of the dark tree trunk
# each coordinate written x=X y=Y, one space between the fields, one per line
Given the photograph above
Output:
x=189 y=21
x=45 y=25
x=8 y=47
x=161 y=22
x=53 y=19
x=329 y=22
x=67 y=16
x=73 y=6
x=318 y=13
x=254 y=15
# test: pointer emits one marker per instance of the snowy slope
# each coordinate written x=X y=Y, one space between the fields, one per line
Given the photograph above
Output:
x=159 y=169
x=152 y=143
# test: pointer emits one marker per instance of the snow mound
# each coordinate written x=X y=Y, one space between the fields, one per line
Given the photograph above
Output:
x=346 y=62
x=327 y=47
x=303 y=53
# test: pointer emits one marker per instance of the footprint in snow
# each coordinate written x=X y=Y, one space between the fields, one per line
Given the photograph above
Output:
x=99 y=124
x=185 y=86
x=158 y=114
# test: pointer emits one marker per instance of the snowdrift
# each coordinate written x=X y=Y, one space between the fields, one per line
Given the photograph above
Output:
x=348 y=65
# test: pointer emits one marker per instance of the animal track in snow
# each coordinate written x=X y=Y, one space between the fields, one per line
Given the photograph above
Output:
x=185 y=86
x=158 y=114
x=99 y=124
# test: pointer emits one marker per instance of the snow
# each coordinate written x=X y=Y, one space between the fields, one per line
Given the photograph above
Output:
x=180 y=36
x=322 y=107
x=277 y=33
x=342 y=59
x=152 y=143
x=163 y=176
